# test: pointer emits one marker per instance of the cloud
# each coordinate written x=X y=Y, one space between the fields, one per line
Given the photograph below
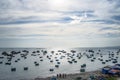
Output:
x=28 y=11
x=62 y=21
x=116 y=17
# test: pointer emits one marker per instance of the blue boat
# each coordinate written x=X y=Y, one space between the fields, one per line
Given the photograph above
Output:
x=114 y=70
x=106 y=69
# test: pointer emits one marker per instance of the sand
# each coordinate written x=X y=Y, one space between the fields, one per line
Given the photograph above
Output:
x=84 y=76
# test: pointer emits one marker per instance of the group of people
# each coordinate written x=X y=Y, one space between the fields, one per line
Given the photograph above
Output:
x=61 y=75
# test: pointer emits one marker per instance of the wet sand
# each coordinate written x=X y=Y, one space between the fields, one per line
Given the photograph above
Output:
x=84 y=76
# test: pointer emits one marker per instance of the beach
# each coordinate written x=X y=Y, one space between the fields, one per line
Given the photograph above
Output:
x=82 y=76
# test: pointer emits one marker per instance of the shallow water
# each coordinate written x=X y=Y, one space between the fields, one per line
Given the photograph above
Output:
x=62 y=56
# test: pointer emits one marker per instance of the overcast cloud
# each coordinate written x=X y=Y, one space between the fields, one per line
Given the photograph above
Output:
x=59 y=23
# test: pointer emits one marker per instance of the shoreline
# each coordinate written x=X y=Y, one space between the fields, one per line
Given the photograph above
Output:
x=83 y=76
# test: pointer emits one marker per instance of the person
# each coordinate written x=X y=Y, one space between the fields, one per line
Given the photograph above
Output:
x=60 y=75
x=57 y=76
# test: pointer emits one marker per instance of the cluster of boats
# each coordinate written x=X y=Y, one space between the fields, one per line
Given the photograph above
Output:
x=72 y=57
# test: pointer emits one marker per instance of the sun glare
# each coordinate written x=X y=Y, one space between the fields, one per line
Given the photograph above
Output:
x=58 y=4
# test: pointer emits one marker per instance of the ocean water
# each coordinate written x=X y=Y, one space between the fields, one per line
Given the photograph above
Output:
x=68 y=60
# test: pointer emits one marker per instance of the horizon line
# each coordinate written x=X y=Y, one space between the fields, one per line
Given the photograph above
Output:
x=62 y=47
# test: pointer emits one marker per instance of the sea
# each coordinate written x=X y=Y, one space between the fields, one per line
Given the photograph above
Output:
x=45 y=62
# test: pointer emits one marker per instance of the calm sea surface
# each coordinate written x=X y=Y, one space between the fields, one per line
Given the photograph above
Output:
x=68 y=61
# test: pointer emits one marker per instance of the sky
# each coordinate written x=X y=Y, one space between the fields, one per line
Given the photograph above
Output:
x=59 y=23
